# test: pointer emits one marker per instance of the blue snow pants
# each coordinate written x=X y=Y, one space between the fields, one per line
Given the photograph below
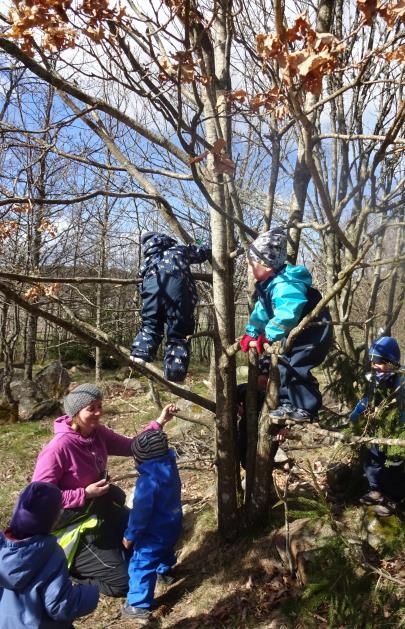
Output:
x=166 y=300
x=297 y=384
x=147 y=561
x=388 y=479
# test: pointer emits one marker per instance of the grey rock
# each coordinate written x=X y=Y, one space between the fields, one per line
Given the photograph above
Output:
x=281 y=456
x=53 y=380
x=306 y=536
x=134 y=384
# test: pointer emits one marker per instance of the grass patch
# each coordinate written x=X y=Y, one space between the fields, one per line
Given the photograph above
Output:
x=19 y=446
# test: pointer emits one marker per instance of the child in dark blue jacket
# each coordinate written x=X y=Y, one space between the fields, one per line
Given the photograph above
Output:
x=35 y=587
x=285 y=297
x=169 y=297
x=154 y=523
x=383 y=412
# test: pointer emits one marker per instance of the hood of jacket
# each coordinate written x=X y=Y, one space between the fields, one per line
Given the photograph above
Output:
x=158 y=244
x=20 y=561
x=292 y=273
x=62 y=426
x=160 y=469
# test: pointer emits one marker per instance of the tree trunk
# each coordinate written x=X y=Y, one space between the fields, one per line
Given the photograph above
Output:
x=266 y=449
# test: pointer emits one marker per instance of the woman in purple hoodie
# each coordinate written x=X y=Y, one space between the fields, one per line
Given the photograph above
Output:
x=76 y=461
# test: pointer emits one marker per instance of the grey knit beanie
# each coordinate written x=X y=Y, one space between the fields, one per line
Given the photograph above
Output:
x=270 y=248
x=150 y=444
x=81 y=396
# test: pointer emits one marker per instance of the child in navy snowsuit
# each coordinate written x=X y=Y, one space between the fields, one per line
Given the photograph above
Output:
x=169 y=297
x=35 y=587
x=383 y=409
x=154 y=523
x=285 y=297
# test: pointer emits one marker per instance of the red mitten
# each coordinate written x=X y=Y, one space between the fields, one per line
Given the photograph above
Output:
x=260 y=343
x=244 y=342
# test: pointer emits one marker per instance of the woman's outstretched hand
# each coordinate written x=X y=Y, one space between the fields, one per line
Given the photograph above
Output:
x=167 y=414
x=97 y=489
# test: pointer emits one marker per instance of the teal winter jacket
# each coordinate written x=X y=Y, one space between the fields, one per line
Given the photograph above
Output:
x=281 y=302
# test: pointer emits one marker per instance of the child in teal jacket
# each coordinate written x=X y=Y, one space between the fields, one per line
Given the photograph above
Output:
x=285 y=296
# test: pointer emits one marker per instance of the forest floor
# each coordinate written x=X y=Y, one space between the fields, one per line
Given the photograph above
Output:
x=243 y=584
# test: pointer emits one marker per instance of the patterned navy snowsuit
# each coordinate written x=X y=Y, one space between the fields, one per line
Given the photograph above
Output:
x=169 y=297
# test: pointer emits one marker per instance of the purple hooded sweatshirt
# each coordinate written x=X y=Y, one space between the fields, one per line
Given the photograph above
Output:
x=73 y=462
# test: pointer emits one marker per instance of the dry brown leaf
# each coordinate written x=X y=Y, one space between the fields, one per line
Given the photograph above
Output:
x=223 y=165
x=396 y=55
x=269 y=46
x=320 y=63
x=218 y=146
x=391 y=12
x=369 y=9
x=198 y=158
x=301 y=28
x=7 y=228
x=238 y=96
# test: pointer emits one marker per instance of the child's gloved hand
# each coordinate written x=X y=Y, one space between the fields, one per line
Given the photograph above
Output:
x=262 y=341
x=245 y=342
x=167 y=413
x=271 y=347
x=127 y=543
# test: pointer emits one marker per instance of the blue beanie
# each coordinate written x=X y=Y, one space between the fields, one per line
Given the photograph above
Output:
x=386 y=348
x=36 y=510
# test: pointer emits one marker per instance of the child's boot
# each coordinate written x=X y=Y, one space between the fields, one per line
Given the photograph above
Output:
x=301 y=416
x=140 y=614
x=283 y=411
x=176 y=359
x=165 y=578
x=373 y=497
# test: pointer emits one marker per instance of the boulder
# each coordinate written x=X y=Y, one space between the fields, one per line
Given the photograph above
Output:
x=31 y=400
x=306 y=537
x=53 y=380
x=379 y=531
x=135 y=384
x=46 y=408
x=28 y=395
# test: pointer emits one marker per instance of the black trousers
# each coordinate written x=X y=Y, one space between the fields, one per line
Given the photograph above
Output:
x=167 y=300
x=297 y=384
x=101 y=558
x=388 y=479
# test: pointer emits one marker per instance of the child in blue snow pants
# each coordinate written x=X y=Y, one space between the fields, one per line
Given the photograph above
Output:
x=154 y=523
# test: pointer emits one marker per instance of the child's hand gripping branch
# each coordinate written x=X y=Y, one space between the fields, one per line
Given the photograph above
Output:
x=262 y=344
